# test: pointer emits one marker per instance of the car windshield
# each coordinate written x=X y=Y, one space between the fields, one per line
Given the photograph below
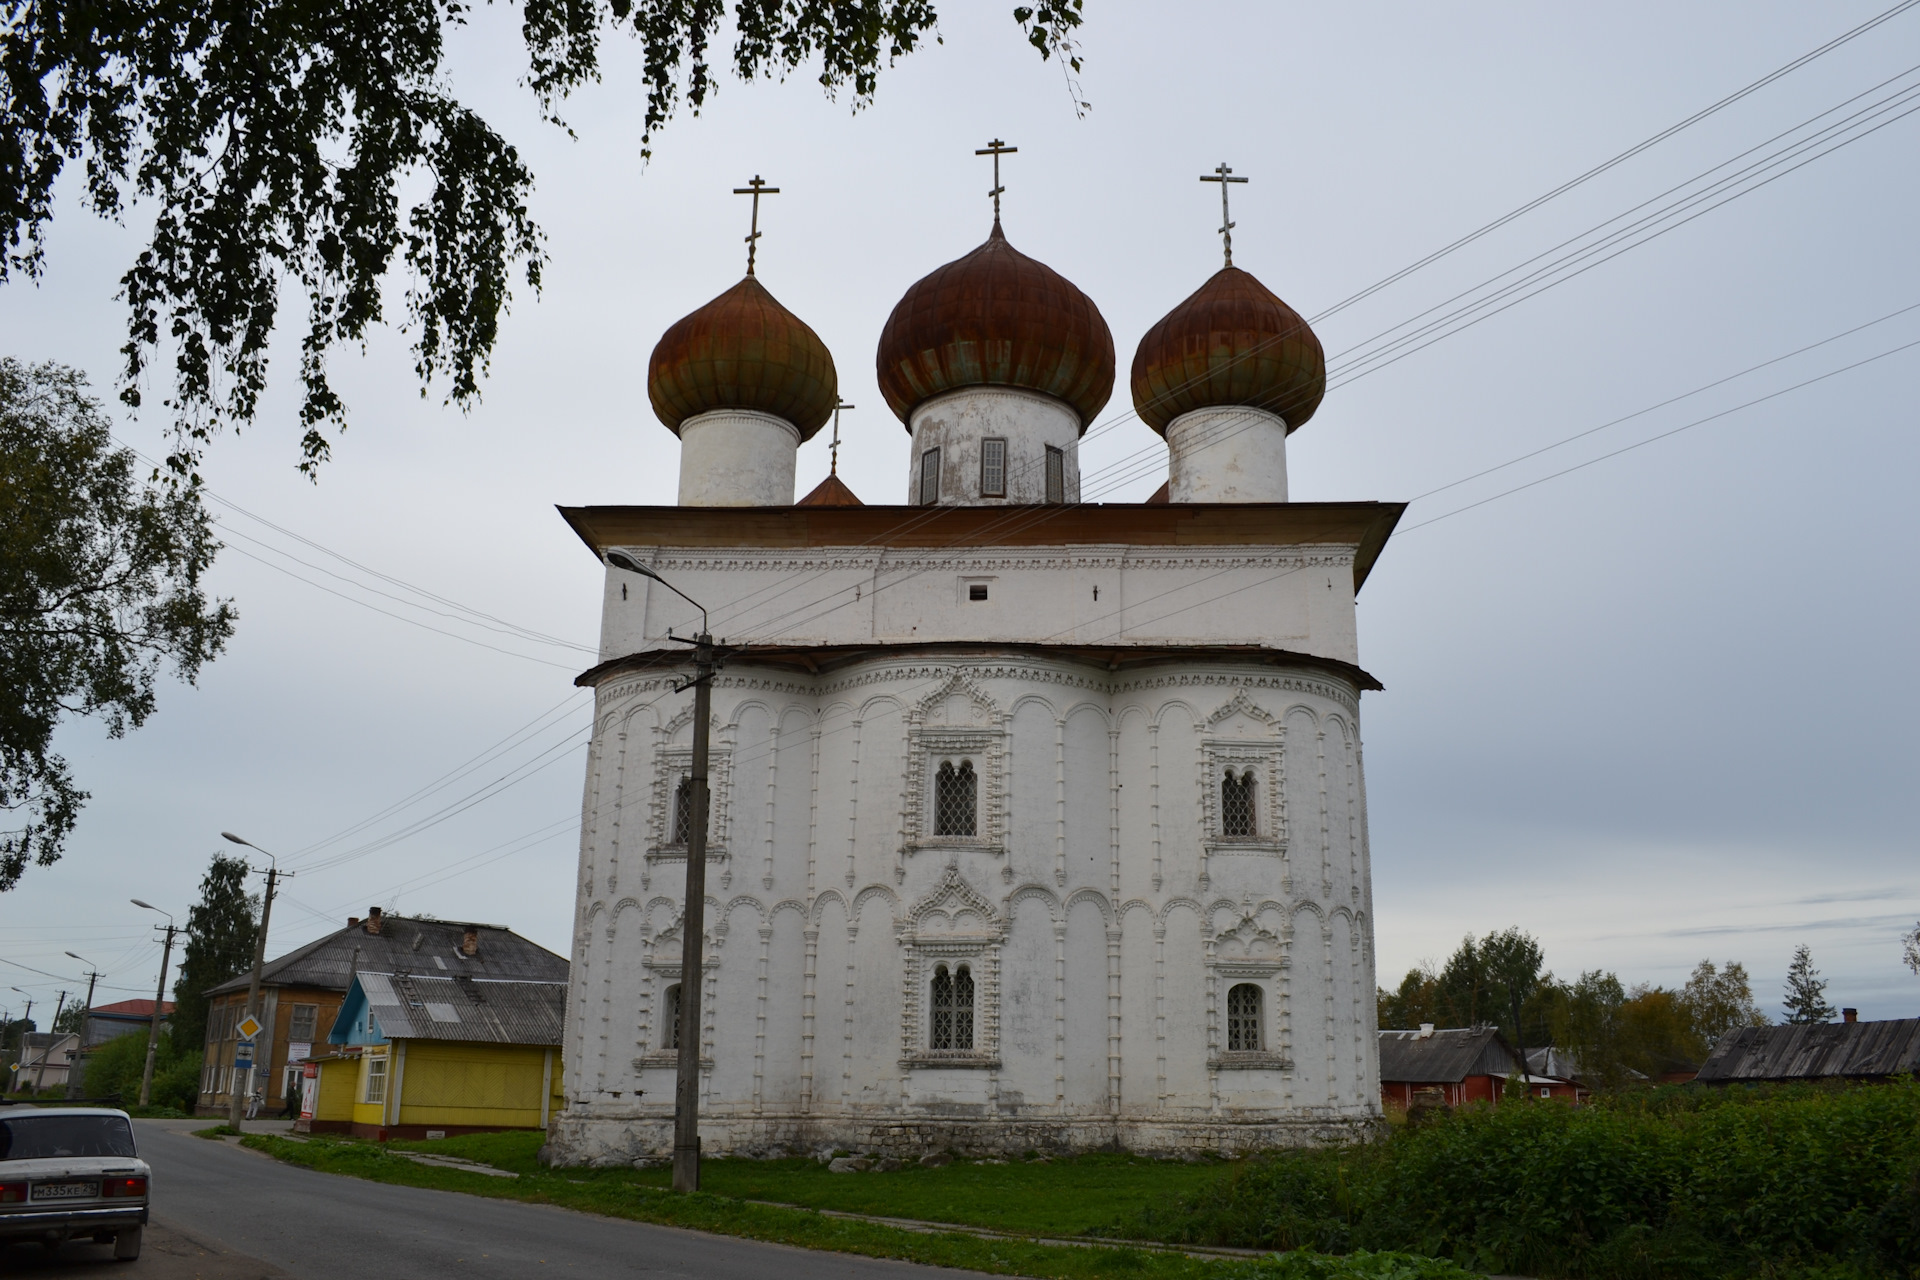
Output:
x=38 y=1137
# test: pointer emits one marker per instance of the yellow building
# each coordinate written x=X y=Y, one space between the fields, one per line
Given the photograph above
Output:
x=419 y=1056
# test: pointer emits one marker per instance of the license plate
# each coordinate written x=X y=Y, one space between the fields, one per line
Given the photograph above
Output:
x=66 y=1191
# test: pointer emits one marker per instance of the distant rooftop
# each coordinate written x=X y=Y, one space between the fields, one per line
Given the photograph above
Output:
x=387 y=944
x=1446 y=1055
x=1815 y=1051
x=431 y=1007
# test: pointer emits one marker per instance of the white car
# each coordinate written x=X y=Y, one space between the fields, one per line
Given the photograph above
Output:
x=70 y=1173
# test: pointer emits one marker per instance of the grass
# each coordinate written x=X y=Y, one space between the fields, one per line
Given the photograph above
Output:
x=622 y=1193
x=217 y=1132
x=1061 y=1197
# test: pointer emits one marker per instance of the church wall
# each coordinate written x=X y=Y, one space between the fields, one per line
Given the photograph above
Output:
x=1101 y=981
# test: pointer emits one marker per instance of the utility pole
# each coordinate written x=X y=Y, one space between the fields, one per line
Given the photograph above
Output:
x=153 y=1024
x=75 y=1061
x=237 y=1102
x=20 y=1063
x=53 y=1029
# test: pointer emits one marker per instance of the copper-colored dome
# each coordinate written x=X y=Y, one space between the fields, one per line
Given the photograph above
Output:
x=743 y=350
x=996 y=318
x=1232 y=343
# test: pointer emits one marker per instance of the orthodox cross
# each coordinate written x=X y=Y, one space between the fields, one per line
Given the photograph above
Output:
x=756 y=189
x=996 y=149
x=834 y=468
x=1220 y=176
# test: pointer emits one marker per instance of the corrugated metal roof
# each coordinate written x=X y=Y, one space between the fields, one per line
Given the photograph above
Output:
x=405 y=943
x=1445 y=1056
x=413 y=1006
x=1816 y=1051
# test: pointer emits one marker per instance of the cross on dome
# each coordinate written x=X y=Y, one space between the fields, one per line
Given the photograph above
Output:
x=757 y=188
x=1220 y=176
x=996 y=149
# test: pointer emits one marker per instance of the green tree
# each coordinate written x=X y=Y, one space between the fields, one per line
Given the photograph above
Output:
x=1910 y=949
x=1806 y=999
x=1512 y=960
x=1587 y=1023
x=275 y=139
x=99 y=589
x=1719 y=1001
x=1416 y=1000
x=1465 y=989
x=70 y=1018
x=220 y=933
x=1657 y=1033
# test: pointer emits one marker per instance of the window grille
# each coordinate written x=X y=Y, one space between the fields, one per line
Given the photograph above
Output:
x=993 y=468
x=683 y=811
x=952 y=1025
x=1236 y=805
x=929 y=477
x=376 y=1079
x=1243 y=1018
x=954 y=792
x=1056 y=475
x=670 y=1033
x=300 y=1025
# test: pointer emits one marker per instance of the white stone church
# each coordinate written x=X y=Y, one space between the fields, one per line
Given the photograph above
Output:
x=1037 y=822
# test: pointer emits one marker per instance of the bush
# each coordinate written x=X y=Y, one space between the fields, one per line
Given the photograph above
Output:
x=116 y=1066
x=1693 y=1184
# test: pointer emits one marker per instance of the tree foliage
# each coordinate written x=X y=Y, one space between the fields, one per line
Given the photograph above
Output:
x=274 y=139
x=1806 y=999
x=221 y=928
x=99 y=590
x=1910 y=949
x=1718 y=1001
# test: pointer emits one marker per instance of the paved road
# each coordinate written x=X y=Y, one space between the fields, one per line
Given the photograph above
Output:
x=222 y=1212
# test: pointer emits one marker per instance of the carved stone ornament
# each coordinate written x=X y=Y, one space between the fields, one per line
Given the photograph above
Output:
x=954 y=924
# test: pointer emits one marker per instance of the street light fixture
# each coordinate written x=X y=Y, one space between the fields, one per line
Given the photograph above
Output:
x=236 y=1106
x=686 y=1082
x=159 y=992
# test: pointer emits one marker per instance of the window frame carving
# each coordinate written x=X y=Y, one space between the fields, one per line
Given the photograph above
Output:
x=672 y=765
x=1264 y=760
x=926 y=948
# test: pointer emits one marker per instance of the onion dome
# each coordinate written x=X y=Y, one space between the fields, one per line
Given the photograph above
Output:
x=996 y=318
x=743 y=350
x=1232 y=343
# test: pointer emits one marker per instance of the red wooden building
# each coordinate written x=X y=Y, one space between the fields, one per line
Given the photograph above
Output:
x=1448 y=1067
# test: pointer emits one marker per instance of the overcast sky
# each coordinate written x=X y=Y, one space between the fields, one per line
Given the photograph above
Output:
x=1657 y=709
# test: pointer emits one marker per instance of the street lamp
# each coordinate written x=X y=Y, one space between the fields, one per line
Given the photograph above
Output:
x=686 y=1081
x=236 y=1108
x=153 y=1022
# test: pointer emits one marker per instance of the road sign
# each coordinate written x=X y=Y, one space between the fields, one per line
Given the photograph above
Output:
x=243 y=1059
x=248 y=1027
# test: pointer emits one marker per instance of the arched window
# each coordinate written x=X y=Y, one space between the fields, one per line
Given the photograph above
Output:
x=952 y=1025
x=1236 y=805
x=954 y=790
x=1243 y=1017
x=670 y=1030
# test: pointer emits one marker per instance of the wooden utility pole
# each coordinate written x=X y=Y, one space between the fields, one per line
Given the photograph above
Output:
x=237 y=1103
x=686 y=1083
x=153 y=1025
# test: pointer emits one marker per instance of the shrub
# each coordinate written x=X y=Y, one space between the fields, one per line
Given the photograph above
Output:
x=116 y=1066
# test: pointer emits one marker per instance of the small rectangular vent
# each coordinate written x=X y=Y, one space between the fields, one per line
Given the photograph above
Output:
x=978 y=591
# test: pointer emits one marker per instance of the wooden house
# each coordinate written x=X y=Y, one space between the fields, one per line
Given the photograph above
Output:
x=1447 y=1067
x=1845 y=1050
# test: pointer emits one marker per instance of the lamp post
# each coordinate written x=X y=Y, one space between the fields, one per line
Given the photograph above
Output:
x=74 y=1089
x=26 y=1020
x=236 y=1102
x=153 y=1023
x=686 y=1082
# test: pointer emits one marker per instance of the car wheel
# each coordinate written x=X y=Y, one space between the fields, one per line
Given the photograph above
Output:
x=126 y=1244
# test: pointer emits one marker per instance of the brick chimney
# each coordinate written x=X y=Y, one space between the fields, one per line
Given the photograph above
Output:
x=353 y=922
x=470 y=942
x=1849 y=1015
x=373 y=920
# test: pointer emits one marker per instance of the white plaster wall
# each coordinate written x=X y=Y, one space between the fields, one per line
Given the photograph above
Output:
x=737 y=458
x=1228 y=453
x=1297 y=597
x=956 y=423
x=1101 y=915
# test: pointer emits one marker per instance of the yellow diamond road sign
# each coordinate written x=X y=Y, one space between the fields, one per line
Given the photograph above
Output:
x=249 y=1027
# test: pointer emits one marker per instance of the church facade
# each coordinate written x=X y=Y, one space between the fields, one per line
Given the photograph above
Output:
x=1036 y=822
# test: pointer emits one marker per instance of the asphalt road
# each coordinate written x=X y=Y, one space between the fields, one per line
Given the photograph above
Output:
x=222 y=1212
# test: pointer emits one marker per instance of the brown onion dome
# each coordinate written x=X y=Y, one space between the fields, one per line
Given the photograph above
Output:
x=743 y=350
x=996 y=318
x=1232 y=343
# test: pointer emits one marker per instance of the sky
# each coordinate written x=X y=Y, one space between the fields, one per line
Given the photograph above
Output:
x=1653 y=709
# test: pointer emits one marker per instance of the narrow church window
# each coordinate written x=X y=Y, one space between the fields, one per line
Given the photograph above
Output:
x=952 y=1026
x=1056 y=475
x=1236 y=805
x=1243 y=1018
x=670 y=1030
x=683 y=811
x=993 y=468
x=929 y=477
x=953 y=799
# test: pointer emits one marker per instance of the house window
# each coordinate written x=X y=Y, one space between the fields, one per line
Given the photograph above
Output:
x=929 y=477
x=300 y=1025
x=1056 y=475
x=683 y=811
x=952 y=1026
x=376 y=1079
x=954 y=792
x=1236 y=805
x=993 y=468
x=670 y=1033
x=1243 y=1017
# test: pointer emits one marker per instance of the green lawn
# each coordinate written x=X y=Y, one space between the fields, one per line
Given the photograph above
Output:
x=1062 y=1197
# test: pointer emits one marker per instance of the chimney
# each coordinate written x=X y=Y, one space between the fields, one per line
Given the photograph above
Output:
x=470 y=942
x=353 y=922
x=373 y=920
x=1426 y=1029
x=1849 y=1015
